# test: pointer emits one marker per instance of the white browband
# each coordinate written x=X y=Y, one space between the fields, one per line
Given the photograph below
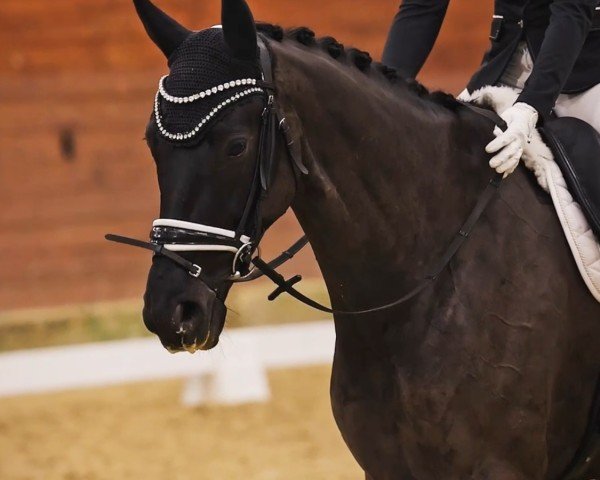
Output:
x=180 y=247
x=197 y=227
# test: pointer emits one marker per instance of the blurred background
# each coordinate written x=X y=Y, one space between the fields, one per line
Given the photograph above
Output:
x=77 y=80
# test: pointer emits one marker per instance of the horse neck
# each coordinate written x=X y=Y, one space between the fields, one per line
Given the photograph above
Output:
x=389 y=175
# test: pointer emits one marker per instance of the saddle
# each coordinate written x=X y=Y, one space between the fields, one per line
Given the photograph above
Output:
x=576 y=148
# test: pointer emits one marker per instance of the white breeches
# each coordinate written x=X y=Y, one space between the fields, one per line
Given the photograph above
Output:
x=584 y=105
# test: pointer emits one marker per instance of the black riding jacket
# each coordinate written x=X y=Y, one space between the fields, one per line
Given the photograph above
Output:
x=563 y=37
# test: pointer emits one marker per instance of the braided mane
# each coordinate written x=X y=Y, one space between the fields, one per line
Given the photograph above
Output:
x=356 y=58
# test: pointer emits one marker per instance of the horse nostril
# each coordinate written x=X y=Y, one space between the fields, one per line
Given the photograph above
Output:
x=190 y=329
x=186 y=315
x=191 y=311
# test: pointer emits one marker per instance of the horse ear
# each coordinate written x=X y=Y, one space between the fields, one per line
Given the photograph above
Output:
x=165 y=32
x=239 y=29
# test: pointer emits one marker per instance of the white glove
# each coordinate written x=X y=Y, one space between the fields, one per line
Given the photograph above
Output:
x=521 y=120
x=464 y=96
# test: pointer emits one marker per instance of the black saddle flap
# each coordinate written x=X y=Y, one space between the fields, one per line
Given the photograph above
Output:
x=576 y=148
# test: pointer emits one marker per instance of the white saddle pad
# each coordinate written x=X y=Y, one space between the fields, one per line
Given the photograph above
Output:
x=538 y=158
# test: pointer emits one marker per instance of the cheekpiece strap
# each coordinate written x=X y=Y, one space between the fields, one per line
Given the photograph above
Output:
x=293 y=145
x=269 y=86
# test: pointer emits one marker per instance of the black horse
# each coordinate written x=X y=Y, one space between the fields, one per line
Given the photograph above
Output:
x=489 y=373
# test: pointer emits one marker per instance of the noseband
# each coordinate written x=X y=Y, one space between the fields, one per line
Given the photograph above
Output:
x=170 y=237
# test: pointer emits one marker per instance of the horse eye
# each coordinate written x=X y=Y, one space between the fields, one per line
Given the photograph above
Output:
x=236 y=148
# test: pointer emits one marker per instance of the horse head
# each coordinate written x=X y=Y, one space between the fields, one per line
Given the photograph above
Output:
x=220 y=171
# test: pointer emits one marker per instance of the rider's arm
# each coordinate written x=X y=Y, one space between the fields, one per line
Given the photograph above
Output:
x=413 y=33
x=570 y=22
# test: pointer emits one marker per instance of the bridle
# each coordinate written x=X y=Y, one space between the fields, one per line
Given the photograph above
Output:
x=170 y=237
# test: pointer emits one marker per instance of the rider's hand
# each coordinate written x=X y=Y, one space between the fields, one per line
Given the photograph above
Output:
x=521 y=120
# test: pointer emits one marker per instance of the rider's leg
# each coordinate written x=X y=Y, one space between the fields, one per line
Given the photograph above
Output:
x=412 y=35
x=585 y=106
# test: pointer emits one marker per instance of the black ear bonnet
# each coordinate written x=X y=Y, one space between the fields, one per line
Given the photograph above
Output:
x=203 y=65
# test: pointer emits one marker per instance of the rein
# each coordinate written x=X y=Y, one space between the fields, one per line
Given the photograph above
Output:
x=169 y=236
x=287 y=286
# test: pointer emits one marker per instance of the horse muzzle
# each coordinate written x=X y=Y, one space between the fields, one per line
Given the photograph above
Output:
x=182 y=311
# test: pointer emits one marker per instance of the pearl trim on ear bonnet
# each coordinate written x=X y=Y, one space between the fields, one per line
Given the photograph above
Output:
x=204 y=78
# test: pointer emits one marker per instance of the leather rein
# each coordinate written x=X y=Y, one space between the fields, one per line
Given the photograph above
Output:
x=169 y=236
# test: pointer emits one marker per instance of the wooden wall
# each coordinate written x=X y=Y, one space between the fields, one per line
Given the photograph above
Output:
x=77 y=79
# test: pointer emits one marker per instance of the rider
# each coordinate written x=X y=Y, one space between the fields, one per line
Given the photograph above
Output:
x=547 y=49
